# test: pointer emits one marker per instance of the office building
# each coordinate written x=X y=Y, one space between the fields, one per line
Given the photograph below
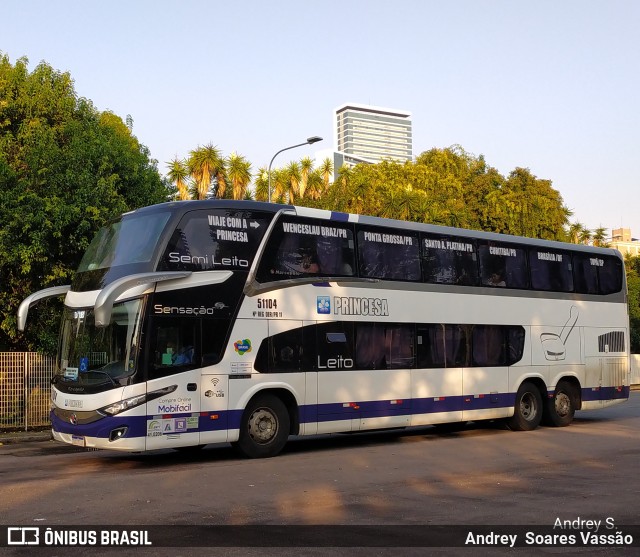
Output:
x=372 y=134
x=622 y=241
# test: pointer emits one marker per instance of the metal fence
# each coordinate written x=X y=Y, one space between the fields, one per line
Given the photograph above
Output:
x=24 y=389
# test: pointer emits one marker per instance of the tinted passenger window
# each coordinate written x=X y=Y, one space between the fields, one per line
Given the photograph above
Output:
x=610 y=275
x=449 y=260
x=489 y=345
x=301 y=247
x=388 y=254
x=281 y=353
x=503 y=265
x=597 y=274
x=384 y=346
x=585 y=274
x=431 y=348
x=335 y=346
x=550 y=270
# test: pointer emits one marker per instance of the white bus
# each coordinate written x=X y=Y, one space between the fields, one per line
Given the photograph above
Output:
x=201 y=322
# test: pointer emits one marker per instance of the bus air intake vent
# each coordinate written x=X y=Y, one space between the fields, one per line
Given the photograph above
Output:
x=611 y=342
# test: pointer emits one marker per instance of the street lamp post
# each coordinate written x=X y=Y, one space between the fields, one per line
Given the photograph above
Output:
x=309 y=141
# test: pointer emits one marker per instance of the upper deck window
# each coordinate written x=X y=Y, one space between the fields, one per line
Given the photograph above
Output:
x=503 y=265
x=597 y=274
x=214 y=239
x=302 y=247
x=550 y=270
x=389 y=254
x=449 y=260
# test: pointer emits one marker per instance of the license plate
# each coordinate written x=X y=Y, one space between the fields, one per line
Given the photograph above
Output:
x=77 y=440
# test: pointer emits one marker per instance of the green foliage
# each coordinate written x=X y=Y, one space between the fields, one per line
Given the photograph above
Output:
x=65 y=169
x=451 y=187
x=633 y=287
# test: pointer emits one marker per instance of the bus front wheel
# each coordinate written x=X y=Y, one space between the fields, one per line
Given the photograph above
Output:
x=528 y=408
x=265 y=427
x=562 y=406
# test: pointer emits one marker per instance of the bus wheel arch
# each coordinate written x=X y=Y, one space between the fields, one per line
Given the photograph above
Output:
x=528 y=406
x=561 y=406
x=266 y=423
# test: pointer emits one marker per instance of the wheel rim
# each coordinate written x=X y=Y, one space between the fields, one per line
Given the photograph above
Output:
x=263 y=426
x=528 y=407
x=563 y=404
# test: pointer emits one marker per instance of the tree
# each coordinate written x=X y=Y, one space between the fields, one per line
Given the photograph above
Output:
x=262 y=184
x=179 y=174
x=326 y=169
x=65 y=169
x=205 y=164
x=293 y=177
x=632 y=265
x=306 y=168
x=599 y=237
x=239 y=172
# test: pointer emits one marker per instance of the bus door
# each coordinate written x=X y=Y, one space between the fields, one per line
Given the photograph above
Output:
x=364 y=375
x=338 y=384
x=173 y=419
x=485 y=377
x=437 y=381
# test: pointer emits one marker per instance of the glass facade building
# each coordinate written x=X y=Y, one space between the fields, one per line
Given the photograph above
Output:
x=373 y=134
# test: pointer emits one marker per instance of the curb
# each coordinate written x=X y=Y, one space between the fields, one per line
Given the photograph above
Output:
x=24 y=437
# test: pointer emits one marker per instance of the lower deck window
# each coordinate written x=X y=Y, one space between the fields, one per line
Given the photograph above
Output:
x=371 y=346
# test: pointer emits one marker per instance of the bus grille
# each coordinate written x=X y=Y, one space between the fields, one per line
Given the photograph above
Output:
x=611 y=342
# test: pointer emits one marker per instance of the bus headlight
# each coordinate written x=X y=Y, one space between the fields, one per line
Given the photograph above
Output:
x=129 y=403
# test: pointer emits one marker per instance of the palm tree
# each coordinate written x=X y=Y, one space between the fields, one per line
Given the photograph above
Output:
x=600 y=237
x=306 y=167
x=204 y=163
x=294 y=174
x=326 y=169
x=262 y=185
x=315 y=185
x=575 y=230
x=179 y=173
x=585 y=236
x=239 y=172
x=280 y=183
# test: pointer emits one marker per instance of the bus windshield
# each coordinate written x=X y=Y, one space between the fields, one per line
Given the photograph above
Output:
x=91 y=355
x=129 y=240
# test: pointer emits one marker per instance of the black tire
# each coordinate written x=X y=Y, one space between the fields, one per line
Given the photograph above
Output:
x=527 y=409
x=264 y=429
x=561 y=408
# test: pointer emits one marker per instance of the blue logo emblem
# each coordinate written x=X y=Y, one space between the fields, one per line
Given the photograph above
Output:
x=324 y=304
x=84 y=364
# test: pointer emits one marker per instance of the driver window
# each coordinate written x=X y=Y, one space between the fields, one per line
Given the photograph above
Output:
x=175 y=346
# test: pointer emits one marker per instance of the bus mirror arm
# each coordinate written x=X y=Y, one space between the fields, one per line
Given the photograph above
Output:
x=107 y=297
x=34 y=298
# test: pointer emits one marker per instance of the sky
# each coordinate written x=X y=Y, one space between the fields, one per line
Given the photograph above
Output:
x=549 y=85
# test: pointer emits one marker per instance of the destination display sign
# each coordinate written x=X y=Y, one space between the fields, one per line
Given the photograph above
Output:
x=215 y=239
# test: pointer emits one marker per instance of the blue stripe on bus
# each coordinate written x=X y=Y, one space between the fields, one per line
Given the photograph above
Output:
x=342 y=217
x=338 y=411
x=605 y=393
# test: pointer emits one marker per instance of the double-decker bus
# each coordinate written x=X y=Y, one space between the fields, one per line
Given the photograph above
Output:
x=199 y=322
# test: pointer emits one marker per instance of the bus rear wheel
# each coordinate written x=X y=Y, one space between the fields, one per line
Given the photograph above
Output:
x=265 y=427
x=562 y=406
x=528 y=408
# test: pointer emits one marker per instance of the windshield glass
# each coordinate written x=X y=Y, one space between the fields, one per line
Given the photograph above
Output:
x=129 y=240
x=91 y=355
